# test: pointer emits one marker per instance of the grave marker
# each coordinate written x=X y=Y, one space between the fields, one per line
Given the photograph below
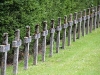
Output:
x=36 y=39
x=84 y=22
x=64 y=32
x=98 y=16
x=75 y=22
x=70 y=23
x=91 y=19
x=44 y=34
x=16 y=44
x=27 y=41
x=52 y=31
x=58 y=29
x=95 y=17
x=4 y=49
x=88 y=21
x=79 y=25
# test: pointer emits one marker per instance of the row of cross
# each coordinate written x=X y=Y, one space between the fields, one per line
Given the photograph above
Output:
x=90 y=20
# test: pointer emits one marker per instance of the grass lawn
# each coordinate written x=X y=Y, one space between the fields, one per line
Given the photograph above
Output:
x=81 y=58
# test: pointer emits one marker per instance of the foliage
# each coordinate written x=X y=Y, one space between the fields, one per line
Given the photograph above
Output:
x=19 y=13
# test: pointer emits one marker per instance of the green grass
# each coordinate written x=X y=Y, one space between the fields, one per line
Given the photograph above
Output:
x=81 y=58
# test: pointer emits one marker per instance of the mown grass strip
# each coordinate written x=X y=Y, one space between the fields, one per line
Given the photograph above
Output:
x=81 y=58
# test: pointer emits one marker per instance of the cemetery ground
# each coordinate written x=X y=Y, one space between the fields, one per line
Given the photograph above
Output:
x=81 y=58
